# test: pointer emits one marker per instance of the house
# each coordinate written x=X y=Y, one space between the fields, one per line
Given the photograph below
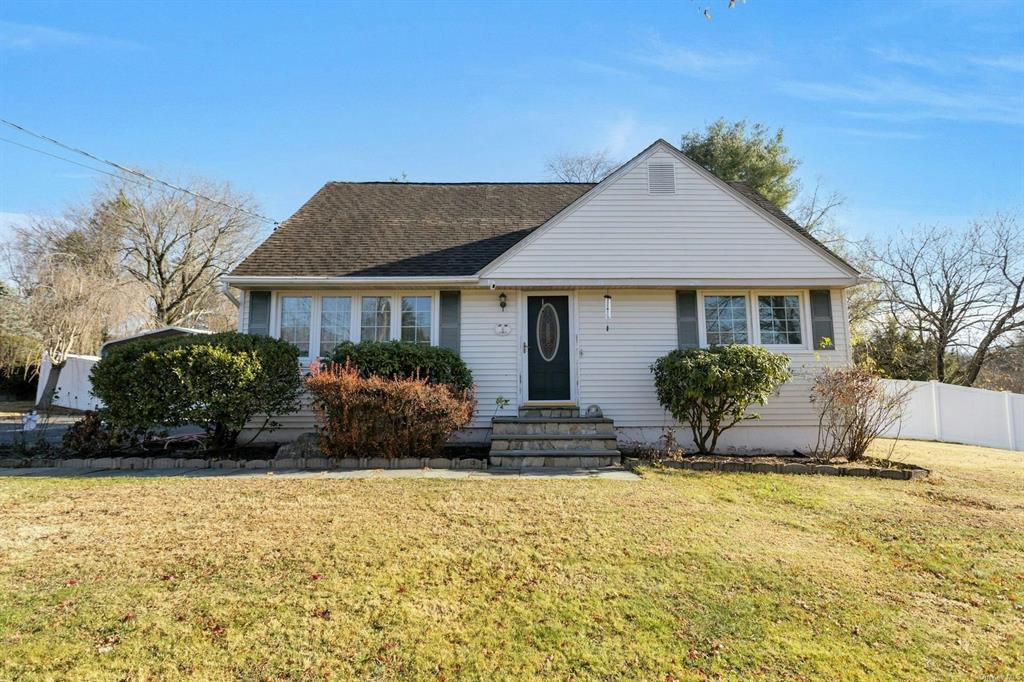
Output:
x=559 y=296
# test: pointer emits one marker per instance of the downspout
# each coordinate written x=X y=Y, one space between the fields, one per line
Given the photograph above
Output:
x=225 y=289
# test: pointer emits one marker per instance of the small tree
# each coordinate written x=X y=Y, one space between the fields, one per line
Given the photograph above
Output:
x=711 y=388
x=854 y=408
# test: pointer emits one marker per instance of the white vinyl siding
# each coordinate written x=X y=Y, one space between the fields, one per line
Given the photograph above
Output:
x=493 y=358
x=699 y=232
x=613 y=356
x=614 y=364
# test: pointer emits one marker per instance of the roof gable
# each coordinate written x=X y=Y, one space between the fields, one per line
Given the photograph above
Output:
x=700 y=229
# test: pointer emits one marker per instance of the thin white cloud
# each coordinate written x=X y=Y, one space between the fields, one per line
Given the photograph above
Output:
x=877 y=134
x=896 y=55
x=693 y=62
x=898 y=99
x=29 y=37
x=1008 y=62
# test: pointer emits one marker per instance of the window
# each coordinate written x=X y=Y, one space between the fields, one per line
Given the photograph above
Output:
x=296 y=314
x=335 y=322
x=725 y=319
x=376 y=318
x=416 y=317
x=779 y=320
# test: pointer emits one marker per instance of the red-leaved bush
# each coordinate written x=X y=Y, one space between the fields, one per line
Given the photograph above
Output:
x=384 y=417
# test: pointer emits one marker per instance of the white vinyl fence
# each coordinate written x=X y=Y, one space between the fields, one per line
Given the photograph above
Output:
x=957 y=414
x=74 y=389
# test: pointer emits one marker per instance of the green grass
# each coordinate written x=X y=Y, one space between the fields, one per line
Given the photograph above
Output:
x=680 y=576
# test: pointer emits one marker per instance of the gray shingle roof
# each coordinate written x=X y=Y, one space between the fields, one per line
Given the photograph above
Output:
x=392 y=229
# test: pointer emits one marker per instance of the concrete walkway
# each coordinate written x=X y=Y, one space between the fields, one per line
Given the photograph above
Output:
x=46 y=472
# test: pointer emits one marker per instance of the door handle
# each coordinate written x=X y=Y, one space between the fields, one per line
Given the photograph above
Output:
x=524 y=346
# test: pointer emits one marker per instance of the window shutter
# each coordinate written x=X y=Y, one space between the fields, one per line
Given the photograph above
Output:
x=821 y=320
x=451 y=331
x=259 y=313
x=686 y=319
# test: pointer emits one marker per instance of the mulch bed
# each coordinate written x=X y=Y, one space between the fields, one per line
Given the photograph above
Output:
x=791 y=464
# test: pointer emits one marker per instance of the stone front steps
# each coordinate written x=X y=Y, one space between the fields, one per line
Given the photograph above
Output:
x=553 y=437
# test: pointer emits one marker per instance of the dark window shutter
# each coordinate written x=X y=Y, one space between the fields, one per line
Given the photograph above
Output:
x=822 y=330
x=259 y=313
x=451 y=331
x=686 y=319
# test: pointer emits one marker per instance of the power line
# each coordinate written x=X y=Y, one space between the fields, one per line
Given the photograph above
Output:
x=72 y=161
x=123 y=169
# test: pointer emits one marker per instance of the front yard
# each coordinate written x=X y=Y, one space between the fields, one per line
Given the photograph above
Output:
x=680 y=576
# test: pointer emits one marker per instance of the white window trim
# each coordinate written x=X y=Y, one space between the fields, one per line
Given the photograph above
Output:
x=702 y=321
x=753 y=320
x=356 y=321
x=318 y=317
x=804 y=306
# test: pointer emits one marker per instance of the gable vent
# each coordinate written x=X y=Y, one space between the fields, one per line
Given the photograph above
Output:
x=661 y=178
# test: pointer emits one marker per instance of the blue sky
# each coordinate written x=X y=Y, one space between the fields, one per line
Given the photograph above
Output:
x=914 y=111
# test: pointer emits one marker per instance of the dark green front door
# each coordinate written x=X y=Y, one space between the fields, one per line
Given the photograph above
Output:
x=548 y=347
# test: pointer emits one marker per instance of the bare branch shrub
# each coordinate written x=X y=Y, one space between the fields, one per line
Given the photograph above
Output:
x=854 y=408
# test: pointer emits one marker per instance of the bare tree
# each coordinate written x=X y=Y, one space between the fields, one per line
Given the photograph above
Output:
x=74 y=308
x=817 y=214
x=964 y=291
x=177 y=246
x=592 y=167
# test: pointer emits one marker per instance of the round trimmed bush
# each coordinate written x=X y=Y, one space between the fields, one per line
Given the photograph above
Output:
x=711 y=388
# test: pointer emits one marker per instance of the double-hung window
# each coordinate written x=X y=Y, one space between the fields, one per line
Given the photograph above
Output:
x=416 y=319
x=335 y=322
x=725 y=319
x=778 y=319
x=296 y=318
x=375 y=318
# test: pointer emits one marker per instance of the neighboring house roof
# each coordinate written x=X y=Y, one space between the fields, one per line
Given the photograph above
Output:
x=396 y=229
x=151 y=335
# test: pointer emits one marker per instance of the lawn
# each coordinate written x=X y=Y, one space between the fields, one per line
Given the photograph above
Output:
x=683 y=575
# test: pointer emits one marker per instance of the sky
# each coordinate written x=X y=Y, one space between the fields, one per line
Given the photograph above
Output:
x=914 y=111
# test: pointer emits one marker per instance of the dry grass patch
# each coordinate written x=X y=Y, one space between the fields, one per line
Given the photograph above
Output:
x=681 y=576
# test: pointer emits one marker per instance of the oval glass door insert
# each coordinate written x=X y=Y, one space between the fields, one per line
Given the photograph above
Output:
x=548 y=332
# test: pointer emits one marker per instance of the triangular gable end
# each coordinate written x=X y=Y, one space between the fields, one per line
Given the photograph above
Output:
x=661 y=218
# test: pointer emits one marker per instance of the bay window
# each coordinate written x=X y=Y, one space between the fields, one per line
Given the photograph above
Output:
x=296 y=316
x=416 y=319
x=335 y=322
x=376 y=318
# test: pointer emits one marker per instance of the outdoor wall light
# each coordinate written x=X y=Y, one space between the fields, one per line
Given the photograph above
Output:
x=502 y=301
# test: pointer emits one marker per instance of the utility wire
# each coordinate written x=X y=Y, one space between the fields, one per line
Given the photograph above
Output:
x=72 y=161
x=123 y=169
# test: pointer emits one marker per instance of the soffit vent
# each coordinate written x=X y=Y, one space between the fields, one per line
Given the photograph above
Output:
x=661 y=178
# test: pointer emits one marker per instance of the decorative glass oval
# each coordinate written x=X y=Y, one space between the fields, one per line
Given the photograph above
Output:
x=548 y=332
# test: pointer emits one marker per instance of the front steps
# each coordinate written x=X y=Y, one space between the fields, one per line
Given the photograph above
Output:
x=553 y=437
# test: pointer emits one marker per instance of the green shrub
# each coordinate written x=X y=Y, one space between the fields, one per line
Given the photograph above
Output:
x=711 y=388
x=219 y=382
x=400 y=359
x=384 y=416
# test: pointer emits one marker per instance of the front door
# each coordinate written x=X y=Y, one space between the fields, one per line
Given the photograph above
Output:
x=548 y=348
